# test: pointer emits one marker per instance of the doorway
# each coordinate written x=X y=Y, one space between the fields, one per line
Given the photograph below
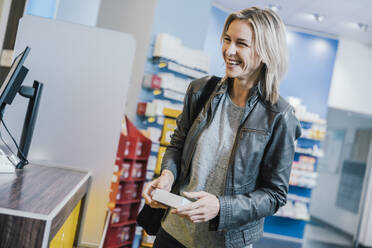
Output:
x=337 y=200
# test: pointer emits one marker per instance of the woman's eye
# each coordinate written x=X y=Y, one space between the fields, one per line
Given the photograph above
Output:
x=226 y=39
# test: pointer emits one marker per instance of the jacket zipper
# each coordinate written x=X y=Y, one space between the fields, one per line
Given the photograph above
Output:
x=231 y=156
x=199 y=132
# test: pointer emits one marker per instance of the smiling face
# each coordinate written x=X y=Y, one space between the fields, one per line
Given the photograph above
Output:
x=239 y=52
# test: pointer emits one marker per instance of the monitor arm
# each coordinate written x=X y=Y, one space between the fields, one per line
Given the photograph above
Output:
x=33 y=94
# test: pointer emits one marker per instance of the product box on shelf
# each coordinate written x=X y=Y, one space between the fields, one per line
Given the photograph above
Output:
x=161 y=152
x=170 y=47
x=152 y=81
x=125 y=170
x=120 y=236
x=130 y=191
x=168 y=128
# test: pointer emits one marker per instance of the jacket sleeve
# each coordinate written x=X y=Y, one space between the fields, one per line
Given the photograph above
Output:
x=172 y=156
x=238 y=210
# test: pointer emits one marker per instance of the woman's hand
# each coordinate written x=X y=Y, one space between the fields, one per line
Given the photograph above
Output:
x=164 y=182
x=204 y=209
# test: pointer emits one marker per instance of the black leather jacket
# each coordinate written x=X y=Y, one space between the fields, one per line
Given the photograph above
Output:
x=260 y=162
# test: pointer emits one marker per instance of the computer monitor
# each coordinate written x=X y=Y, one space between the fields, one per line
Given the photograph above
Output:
x=13 y=81
x=9 y=89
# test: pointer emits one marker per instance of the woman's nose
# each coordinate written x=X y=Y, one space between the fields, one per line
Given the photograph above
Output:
x=231 y=50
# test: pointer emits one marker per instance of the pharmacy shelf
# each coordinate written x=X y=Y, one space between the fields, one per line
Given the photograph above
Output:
x=317 y=154
x=311 y=138
x=302 y=186
x=124 y=223
x=127 y=243
x=293 y=218
x=178 y=68
x=285 y=227
x=318 y=122
x=127 y=183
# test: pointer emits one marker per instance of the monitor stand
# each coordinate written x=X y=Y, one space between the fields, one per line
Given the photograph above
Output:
x=34 y=95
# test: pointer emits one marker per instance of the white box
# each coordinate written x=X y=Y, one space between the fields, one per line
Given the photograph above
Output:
x=169 y=199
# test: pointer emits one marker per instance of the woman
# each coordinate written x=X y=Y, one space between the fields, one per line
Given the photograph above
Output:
x=235 y=158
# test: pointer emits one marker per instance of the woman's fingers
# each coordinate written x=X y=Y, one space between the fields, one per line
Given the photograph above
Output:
x=147 y=192
x=204 y=209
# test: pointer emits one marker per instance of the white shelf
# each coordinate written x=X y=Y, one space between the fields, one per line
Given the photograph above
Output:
x=309 y=151
x=185 y=70
x=319 y=122
x=175 y=67
x=302 y=186
x=307 y=218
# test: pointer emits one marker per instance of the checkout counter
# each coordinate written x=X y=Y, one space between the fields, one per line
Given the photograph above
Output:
x=37 y=201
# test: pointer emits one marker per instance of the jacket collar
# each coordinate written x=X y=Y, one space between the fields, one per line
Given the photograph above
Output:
x=224 y=84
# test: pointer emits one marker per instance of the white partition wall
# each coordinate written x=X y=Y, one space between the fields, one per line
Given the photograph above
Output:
x=85 y=71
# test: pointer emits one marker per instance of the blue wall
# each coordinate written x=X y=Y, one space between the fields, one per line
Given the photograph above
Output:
x=311 y=61
x=43 y=8
x=212 y=43
x=185 y=19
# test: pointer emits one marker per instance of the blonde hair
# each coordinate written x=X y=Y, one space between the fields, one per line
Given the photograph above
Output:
x=270 y=44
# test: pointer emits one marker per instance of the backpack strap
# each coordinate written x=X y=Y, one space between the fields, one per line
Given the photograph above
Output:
x=206 y=94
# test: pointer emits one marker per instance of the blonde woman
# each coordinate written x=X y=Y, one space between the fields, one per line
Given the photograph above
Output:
x=234 y=157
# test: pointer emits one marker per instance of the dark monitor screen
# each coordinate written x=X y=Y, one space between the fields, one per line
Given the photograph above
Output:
x=12 y=83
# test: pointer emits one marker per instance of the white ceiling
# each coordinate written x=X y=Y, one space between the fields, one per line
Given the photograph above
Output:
x=340 y=16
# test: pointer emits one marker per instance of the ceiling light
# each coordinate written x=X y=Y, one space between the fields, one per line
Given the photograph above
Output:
x=274 y=7
x=318 y=18
x=363 y=26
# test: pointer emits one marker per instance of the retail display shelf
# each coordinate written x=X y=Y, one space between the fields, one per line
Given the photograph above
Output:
x=302 y=186
x=135 y=159
x=309 y=152
x=168 y=94
x=125 y=195
x=128 y=201
x=176 y=67
x=133 y=179
x=293 y=218
x=124 y=223
x=321 y=122
x=174 y=113
x=310 y=138
x=129 y=158
x=126 y=243
x=283 y=237
x=146 y=245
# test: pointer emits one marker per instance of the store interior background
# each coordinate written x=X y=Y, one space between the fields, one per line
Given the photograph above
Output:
x=330 y=72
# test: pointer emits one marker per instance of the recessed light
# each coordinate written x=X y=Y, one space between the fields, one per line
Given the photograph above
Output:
x=318 y=17
x=363 y=26
x=274 y=7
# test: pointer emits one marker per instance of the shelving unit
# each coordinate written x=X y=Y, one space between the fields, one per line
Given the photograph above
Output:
x=290 y=221
x=177 y=68
x=161 y=101
x=126 y=187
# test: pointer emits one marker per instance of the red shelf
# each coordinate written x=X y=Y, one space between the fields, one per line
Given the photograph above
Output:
x=125 y=195
x=124 y=223
x=128 y=201
x=133 y=179
x=136 y=158
x=120 y=245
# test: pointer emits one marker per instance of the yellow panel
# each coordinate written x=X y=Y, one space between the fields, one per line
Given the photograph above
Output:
x=171 y=112
x=66 y=235
x=168 y=128
x=160 y=158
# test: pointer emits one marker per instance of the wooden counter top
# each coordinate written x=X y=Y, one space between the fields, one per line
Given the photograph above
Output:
x=38 y=199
